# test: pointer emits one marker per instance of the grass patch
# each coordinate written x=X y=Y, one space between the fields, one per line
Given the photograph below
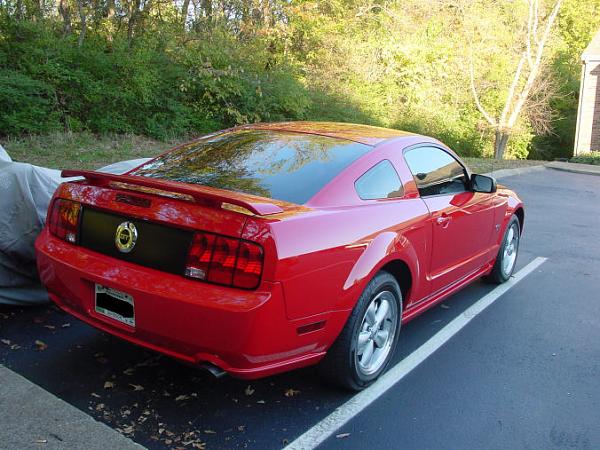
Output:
x=91 y=151
x=81 y=150
x=486 y=165
x=587 y=158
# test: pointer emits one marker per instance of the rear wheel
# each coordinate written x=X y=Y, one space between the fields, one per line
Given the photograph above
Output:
x=507 y=254
x=365 y=346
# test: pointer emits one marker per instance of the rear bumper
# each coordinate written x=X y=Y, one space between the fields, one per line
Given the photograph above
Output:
x=246 y=333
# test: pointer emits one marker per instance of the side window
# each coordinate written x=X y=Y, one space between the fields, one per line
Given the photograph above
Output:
x=435 y=171
x=380 y=181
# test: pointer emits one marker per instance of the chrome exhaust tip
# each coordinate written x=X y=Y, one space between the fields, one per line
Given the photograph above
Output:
x=215 y=371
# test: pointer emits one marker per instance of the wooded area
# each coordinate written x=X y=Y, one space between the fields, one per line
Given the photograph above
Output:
x=171 y=68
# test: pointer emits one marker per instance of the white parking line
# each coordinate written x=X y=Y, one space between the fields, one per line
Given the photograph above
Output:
x=330 y=424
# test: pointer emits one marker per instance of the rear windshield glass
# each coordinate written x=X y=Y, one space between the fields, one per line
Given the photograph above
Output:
x=285 y=166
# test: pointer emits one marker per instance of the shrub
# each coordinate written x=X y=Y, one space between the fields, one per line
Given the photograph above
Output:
x=587 y=158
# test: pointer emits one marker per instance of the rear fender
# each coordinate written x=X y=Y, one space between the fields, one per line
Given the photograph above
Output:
x=386 y=247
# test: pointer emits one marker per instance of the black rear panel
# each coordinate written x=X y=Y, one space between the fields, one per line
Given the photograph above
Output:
x=158 y=246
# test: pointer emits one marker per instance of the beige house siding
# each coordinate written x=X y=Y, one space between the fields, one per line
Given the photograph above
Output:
x=587 y=136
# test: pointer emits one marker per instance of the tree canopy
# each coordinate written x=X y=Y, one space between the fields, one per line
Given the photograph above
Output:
x=172 y=68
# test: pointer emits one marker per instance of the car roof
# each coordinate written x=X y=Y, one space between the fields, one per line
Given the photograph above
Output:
x=363 y=134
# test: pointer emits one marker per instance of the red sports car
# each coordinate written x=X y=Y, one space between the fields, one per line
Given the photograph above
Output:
x=269 y=247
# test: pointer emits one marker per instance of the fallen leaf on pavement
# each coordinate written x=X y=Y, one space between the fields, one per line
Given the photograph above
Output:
x=65 y=325
x=180 y=398
x=109 y=385
x=249 y=390
x=128 y=429
x=443 y=306
x=41 y=345
x=50 y=327
x=291 y=392
x=342 y=435
x=210 y=432
x=136 y=387
x=5 y=341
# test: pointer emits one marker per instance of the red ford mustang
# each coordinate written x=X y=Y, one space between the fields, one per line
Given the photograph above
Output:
x=269 y=247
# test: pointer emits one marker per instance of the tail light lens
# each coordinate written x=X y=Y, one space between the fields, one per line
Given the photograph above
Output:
x=227 y=261
x=249 y=265
x=64 y=219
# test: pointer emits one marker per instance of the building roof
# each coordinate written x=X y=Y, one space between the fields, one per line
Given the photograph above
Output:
x=592 y=52
x=364 y=134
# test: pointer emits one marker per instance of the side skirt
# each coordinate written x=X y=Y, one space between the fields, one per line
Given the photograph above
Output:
x=428 y=302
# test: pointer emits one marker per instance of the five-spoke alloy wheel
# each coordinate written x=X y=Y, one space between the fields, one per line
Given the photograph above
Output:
x=366 y=345
x=507 y=254
x=377 y=333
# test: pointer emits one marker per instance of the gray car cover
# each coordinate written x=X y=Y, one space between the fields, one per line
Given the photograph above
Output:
x=25 y=193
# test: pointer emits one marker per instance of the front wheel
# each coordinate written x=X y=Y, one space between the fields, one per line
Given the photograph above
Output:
x=507 y=254
x=366 y=345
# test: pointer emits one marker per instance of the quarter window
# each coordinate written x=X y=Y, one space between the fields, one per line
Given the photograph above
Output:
x=380 y=181
x=436 y=172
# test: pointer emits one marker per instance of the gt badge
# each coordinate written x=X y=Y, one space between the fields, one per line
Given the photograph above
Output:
x=125 y=237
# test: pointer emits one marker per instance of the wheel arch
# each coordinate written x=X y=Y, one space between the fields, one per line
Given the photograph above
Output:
x=520 y=213
x=400 y=270
x=391 y=252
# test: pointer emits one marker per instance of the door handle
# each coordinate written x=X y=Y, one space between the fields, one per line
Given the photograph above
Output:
x=443 y=220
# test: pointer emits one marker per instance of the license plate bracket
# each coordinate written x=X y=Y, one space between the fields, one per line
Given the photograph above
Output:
x=115 y=304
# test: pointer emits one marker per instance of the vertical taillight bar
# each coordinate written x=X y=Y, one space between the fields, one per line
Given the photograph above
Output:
x=248 y=268
x=226 y=261
x=64 y=219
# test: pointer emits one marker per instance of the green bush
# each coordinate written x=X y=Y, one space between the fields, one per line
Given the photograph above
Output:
x=587 y=158
x=48 y=83
x=27 y=104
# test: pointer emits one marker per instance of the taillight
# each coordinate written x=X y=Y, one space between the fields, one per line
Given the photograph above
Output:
x=227 y=261
x=248 y=267
x=64 y=219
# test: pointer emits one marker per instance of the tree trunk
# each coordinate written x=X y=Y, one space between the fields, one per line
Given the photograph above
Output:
x=134 y=8
x=207 y=6
x=83 y=19
x=110 y=13
x=500 y=142
x=184 y=12
x=19 y=9
x=65 y=12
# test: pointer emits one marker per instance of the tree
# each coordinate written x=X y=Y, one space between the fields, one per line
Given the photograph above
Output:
x=524 y=79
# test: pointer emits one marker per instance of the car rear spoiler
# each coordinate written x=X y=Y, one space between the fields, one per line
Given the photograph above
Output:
x=256 y=205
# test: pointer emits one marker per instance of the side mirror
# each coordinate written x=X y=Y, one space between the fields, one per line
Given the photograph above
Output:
x=482 y=183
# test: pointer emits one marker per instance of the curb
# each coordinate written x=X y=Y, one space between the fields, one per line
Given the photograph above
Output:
x=44 y=420
x=573 y=168
x=518 y=171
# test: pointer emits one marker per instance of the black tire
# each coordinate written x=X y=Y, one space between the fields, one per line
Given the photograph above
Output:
x=341 y=365
x=499 y=274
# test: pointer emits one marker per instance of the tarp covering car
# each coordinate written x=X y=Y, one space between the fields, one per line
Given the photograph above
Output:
x=25 y=193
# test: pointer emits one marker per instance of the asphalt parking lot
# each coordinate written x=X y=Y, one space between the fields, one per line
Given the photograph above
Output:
x=525 y=373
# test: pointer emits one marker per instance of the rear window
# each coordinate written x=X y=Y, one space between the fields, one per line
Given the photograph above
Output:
x=285 y=166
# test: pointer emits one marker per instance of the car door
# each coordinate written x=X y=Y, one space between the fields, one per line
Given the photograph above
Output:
x=461 y=220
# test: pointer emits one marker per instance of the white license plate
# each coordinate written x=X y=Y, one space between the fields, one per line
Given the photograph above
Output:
x=115 y=304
